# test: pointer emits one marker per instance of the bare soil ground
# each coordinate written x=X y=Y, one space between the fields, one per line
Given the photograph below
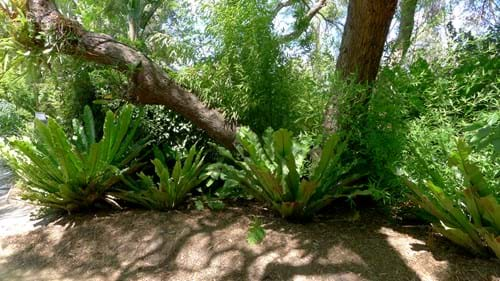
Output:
x=204 y=245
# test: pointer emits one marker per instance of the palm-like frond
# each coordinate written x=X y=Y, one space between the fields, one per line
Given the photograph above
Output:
x=470 y=218
x=173 y=185
x=274 y=171
x=60 y=174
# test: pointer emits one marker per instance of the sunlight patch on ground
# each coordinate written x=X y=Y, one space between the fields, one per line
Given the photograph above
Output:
x=258 y=267
x=347 y=276
x=15 y=219
x=347 y=255
x=416 y=260
x=194 y=255
x=15 y=215
x=33 y=275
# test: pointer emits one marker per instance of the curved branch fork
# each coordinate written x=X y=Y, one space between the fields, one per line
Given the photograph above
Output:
x=150 y=84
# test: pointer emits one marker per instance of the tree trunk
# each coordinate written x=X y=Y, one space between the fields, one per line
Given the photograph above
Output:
x=365 y=33
x=132 y=28
x=149 y=83
x=406 y=24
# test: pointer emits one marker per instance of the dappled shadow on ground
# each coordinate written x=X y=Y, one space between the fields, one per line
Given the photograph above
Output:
x=459 y=263
x=203 y=245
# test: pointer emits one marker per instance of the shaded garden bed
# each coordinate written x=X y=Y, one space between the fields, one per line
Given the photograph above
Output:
x=204 y=245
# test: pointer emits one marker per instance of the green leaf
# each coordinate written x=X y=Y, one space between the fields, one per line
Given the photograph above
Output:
x=198 y=204
x=215 y=205
x=490 y=210
x=158 y=154
x=283 y=143
x=256 y=233
x=89 y=125
x=327 y=155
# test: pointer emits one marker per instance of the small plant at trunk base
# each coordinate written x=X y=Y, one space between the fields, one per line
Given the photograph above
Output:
x=62 y=174
x=277 y=171
x=173 y=186
x=470 y=216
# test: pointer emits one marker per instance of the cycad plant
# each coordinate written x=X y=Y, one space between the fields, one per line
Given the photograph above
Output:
x=277 y=171
x=72 y=174
x=172 y=186
x=468 y=212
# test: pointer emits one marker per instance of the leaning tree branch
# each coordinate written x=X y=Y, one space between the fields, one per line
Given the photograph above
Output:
x=282 y=5
x=304 y=22
x=149 y=83
x=12 y=14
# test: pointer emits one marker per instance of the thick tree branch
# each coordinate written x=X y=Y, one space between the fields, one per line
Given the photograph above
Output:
x=149 y=83
x=282 y=5
x=149 y=13
x=304 y=21
x=5 y=10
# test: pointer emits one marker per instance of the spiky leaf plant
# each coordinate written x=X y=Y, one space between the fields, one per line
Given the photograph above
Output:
x=62 y=174
x=470 y=215
x=173 y=185
x=276 y=171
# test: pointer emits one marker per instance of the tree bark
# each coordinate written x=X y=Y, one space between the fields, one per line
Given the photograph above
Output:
x=361 y=49
x=406 y=25
x=149 y=83
x=365 y=32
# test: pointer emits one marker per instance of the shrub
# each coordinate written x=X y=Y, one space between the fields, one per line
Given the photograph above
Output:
x=11 y=121
x=72 y=174
x=426 y=102
x=171 y=129
x=249 y=76
x=468 y=212
x=173 y=186
x=486 y=132
x=277 y=171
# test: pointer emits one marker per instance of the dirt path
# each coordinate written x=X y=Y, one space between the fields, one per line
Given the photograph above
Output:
x=203 y=245
x=15 y=215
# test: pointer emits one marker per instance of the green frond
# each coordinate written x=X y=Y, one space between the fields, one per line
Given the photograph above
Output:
x=269 y=171
x=471 y=216
x=172 y=186
x=89 y=125
x=59 y=174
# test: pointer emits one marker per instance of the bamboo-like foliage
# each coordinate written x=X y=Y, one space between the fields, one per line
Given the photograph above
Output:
x=173 y=185
x=62 y=174
x=471 y=216
x=276 y=171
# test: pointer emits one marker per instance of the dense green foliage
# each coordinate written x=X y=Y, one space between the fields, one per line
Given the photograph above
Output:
x=172 y=186
x=427 y=103
x=467 y=208
x=10 y=119
x=277 y=171
x=458 y=97
x=235 y=57
x=73 y=173
x=249 y=77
